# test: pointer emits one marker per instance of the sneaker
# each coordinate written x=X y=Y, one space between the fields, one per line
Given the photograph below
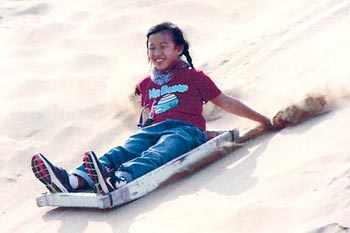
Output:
x=54 y=178
x=105 y=180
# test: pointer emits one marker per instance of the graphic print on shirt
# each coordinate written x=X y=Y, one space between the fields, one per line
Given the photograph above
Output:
x=168 y=98
x=165 y=103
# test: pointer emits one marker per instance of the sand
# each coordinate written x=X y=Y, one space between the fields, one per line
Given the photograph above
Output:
x=67 y=74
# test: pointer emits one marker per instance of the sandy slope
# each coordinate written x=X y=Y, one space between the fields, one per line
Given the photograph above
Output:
x=67 y=70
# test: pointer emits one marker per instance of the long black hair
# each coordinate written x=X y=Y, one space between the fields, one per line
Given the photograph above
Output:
x=178 y=36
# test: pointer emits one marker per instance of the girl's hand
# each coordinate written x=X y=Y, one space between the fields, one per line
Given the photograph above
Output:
x=266 y=122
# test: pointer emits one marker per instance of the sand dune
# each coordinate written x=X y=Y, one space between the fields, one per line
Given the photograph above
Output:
x=68 y=69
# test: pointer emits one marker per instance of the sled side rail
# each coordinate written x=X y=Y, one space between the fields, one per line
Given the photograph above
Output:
x=152 y=180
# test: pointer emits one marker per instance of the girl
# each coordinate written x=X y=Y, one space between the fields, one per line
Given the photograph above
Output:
x=174 y=94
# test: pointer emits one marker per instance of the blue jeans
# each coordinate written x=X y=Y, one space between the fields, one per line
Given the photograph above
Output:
x=150 y=148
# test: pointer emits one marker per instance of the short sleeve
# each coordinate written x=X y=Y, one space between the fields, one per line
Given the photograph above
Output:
x=206 y=86
x=142 y=87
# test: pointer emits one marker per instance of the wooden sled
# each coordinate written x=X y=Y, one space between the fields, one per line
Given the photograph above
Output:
x=146 y=183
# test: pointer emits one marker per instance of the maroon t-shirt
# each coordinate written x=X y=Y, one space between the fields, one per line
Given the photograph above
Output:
x=181 y=98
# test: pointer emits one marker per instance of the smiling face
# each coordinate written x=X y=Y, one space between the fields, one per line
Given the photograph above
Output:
x=162 y=51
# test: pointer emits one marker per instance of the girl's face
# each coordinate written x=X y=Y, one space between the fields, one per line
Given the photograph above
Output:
x=162 y=51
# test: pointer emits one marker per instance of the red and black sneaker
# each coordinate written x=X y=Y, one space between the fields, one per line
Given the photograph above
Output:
x=105 y=180
x=54 y=178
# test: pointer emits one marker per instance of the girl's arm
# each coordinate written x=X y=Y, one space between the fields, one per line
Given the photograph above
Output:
x=234 y=106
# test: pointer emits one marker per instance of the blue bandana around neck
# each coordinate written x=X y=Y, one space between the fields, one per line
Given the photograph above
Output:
x=161 y=78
